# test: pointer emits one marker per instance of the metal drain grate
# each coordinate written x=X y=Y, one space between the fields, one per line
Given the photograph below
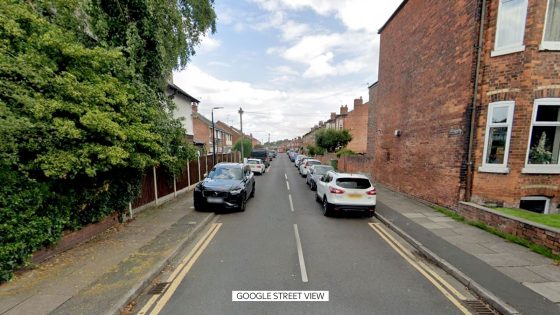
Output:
x=159 y=288
x=480 y=308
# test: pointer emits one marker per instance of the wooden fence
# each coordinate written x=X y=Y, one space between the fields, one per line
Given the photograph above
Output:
x=159 y=186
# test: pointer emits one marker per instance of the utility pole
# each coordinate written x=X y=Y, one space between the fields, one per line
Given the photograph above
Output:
x=269 y=138
x=242 y=140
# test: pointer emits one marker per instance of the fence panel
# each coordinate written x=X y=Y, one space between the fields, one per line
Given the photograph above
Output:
x=193 y=167
x=183 y=179
x=147 y=193
x=164 y=182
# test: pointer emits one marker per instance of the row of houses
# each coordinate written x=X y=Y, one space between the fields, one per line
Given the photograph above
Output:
x=199 y=128
x=467 y=103
x=354 y=121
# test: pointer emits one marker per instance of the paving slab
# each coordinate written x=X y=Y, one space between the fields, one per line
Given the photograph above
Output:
x=550 y=272
x=39 y=304
x=414 y=215
x=523 y=274
x=475 y=248
x=434 y=226
x=551 y=290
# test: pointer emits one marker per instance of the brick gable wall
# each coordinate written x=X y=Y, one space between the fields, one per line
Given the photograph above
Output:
x=424 y=89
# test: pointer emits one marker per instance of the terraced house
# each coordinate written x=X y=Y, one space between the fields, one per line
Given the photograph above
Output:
x=467 y=106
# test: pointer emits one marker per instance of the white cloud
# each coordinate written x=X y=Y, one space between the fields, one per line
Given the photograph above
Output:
x=209 y=43
x=355 y=14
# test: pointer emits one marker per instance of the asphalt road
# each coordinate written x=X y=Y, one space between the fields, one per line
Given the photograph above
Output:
x=257 y=250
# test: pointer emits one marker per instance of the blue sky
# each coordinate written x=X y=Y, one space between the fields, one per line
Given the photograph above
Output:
x=288 y=63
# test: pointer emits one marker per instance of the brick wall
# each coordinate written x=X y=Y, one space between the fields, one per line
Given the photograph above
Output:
x=521 y=77
x=357 y=122
x=201 y=131
x=544 y=236
x=424 y=88
x=372 y=126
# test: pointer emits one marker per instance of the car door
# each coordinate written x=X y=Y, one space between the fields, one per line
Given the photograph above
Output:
x=322 y=184
x=249 y=180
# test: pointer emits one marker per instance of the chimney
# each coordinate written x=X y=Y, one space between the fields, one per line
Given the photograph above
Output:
x=194 y=106
x=343 y=110
x=358 y=102
x=333 y=115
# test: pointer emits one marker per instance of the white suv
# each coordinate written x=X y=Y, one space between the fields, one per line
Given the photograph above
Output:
x=346 y=192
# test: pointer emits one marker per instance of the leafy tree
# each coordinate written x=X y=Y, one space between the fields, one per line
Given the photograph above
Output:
x=332 y=139
x=259 y=146
x=83 y=112
x=247 y=147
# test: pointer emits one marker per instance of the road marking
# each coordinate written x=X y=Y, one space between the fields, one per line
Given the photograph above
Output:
x=286 y=175
x=300 y=255
x=181 y=271
x=288 y=185
x=291 y=202
x=443 y=286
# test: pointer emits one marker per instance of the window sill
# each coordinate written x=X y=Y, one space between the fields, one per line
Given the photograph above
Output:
x=493 y=169
x=507 y=51
x=541 y=169
x=549 y=46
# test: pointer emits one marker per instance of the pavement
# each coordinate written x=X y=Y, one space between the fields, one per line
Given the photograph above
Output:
x=515 y=279
x=103 y=275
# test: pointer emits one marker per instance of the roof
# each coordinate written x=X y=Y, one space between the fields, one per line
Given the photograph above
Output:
x=181 y=91
x=392 y=16
x=374 y=84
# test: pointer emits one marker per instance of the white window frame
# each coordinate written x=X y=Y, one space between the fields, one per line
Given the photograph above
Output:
x=542 y=198
x=541 y=168
x=499 y=51
x=497 y=168
x=548 y=45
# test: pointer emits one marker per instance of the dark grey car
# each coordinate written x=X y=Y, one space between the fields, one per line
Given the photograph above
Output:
x=315 y=173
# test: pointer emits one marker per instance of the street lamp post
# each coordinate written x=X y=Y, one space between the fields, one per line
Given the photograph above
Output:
x=214 y=137
x=242 y=140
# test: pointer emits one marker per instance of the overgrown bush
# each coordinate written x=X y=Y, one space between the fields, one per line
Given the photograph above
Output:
x=345 y=152
x=79 y=118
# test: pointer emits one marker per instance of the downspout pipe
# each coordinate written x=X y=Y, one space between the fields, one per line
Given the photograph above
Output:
x=472 y=129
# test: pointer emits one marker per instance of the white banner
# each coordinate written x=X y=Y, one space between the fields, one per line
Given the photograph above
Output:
x=280 y=296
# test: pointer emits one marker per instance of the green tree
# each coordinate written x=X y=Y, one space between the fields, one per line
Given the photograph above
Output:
x=247 y=147
x=83 y=112
x=332 y=139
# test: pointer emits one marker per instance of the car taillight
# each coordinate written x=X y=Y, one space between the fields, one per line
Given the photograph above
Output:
x=334 y=190
x=372 y=192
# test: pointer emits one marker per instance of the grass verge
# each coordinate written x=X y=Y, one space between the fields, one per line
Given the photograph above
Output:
x=539 y=249
x=552 y=220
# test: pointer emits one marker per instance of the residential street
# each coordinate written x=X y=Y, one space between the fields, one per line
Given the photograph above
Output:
x=257 y=250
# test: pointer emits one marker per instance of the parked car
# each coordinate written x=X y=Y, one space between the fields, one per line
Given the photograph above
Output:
x=292 y=155
x=273 y=152
x=256 y=165
x=261 y=154
x=298 y=159
x=346 y=192
x=228 y=185
x=306 y=164
x=315 y=173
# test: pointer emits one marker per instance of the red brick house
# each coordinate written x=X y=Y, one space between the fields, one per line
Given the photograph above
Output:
x=427 y=138
x=356 y=122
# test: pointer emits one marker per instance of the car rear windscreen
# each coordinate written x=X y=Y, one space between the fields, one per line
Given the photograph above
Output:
x=313 y=162
x=353 y=183
x=258 y=154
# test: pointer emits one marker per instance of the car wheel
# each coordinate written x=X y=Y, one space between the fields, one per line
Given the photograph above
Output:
x=326 y=207
x=317 y=197
x=252 y=192
x=243 y=203
x=313 y=186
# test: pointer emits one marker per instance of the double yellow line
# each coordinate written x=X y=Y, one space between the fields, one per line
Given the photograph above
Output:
x=179 y=273
x=443 y=286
